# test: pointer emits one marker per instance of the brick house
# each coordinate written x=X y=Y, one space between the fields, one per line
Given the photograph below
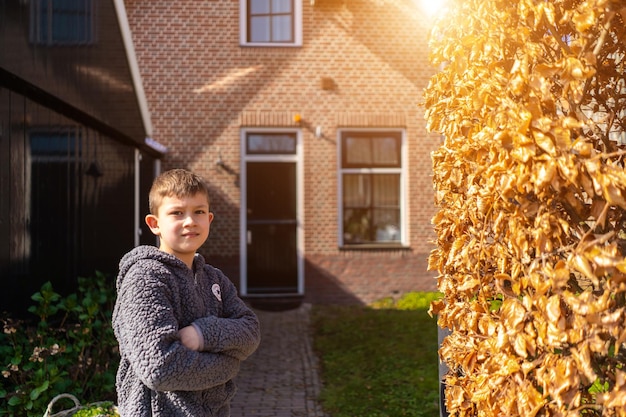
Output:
x=305 y=118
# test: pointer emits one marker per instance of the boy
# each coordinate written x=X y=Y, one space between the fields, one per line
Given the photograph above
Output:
x=181 y=327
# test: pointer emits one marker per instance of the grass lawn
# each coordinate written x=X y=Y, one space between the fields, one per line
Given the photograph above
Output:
x=378 y=361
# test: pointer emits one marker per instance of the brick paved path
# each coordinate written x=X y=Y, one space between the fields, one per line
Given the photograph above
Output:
x=281 y=378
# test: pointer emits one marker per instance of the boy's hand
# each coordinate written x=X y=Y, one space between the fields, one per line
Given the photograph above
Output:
x=190 y=338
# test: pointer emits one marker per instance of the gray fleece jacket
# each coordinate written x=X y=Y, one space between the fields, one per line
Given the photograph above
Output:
x=157 y=295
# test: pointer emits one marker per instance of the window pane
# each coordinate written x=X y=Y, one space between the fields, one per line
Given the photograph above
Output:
x=281 y=27
x=371 y=150
x=271 y=143
x=387 y=225
x=356 y=190
x=357 y=226
x=357 y=211
x=63 y=21
x=271 y=21
x=386 y=190
x=386 y=203
x=53 y=144
x=68 y=27
x=386 y=151
x=67 y=21
x=260 y=29
x=371 y=208
x=281 y=6
x=358 y=151
x=259 y=6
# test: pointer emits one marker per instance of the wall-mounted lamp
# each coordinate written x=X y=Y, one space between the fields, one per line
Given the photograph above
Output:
x=317 y=130
x=221 y=165
x=94 y=170
x=219 y=161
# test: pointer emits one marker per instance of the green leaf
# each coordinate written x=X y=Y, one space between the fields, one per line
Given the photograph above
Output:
x=34 y=394
x=495 y=303
x=611 y=352
x=13 y=401
x=599 y=387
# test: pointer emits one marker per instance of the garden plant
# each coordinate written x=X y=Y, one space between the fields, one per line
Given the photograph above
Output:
x=69 y=348
x=530 y=185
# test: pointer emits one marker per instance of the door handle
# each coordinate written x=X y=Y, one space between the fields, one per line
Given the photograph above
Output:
x=249 y=237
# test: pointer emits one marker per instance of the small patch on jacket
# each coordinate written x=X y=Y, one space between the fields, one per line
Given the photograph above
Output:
x=217 y=291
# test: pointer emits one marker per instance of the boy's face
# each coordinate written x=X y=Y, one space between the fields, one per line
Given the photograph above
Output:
x=182 y=225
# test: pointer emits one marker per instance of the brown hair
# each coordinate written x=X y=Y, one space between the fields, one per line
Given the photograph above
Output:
x=175 y=183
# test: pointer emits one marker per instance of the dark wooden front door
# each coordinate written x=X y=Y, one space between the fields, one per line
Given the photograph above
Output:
x=271 y=219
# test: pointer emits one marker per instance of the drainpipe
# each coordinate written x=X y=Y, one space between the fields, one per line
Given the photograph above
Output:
x=137 y=213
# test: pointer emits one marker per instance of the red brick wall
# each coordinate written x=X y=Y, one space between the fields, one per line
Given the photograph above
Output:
x=202 y=87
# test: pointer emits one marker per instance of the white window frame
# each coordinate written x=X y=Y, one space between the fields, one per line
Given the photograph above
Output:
x=297 y=29
x=403 y=171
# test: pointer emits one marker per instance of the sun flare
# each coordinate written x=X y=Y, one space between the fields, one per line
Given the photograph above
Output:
x=433 y=7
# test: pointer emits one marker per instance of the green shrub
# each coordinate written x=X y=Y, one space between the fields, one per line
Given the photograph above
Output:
x=71 y=348
x=408 y=301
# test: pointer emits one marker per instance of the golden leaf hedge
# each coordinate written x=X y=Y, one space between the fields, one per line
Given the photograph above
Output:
x=530 y=187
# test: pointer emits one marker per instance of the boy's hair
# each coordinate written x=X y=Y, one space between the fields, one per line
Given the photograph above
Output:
x=175 y=183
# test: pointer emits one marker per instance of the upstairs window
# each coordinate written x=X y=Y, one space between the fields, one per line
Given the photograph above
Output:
x=271 y=22
x=62 y=22
x=372 y=183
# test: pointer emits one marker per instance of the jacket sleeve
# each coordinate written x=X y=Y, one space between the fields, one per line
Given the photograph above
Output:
x=147 y=332
x=238 y=332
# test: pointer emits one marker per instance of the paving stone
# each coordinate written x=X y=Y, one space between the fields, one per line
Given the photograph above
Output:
x=281 y=378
